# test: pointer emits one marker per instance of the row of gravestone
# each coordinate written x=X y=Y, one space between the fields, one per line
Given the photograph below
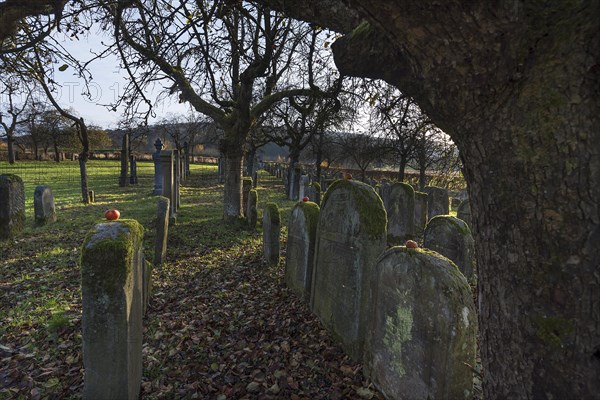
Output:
x=12 y=205
x=406 y=313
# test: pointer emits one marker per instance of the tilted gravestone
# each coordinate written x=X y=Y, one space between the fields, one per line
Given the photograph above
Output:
x=271 y=230
x=420 y=219
x=112 y=299
x=464 y=213
x=251 y=211
x=400 y=209
x=351 y=235
x=303 y=186
x=422 y=333
x=300 y=252
x=246 y=187
x=43 y=205
x=438 y=202
x=451 y=237
x=12 y=205
x=162 y=230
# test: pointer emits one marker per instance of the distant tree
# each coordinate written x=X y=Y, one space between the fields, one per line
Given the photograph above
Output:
x=14 y=113
x=434 y=150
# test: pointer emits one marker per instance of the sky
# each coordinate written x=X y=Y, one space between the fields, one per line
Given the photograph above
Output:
x=107 y=84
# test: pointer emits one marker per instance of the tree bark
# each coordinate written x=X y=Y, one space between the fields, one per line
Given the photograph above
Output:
x=11 y=149
x=232 y=198
x=402 y=169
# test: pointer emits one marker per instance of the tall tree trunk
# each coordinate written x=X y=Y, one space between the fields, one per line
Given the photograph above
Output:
x=292 y=175
x=11 y=149
x=422 y=177
x=83 y=174
x=56 y=153
x=402 y=168
x=232 y=198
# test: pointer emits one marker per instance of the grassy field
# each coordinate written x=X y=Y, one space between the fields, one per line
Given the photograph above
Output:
x=220 y=325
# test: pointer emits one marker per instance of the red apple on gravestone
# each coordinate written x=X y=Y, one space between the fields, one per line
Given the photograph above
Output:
x=305 y=199
x=112 y=215
x=411 y=244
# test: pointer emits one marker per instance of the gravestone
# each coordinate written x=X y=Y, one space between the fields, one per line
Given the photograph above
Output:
x=303 y=186
x=251 y=211
x=451 y=237
x=464 y=213
x=133 y=178
x=177 y=180
x=351 y=235
x=124 y=160
x=43 y=205
x=420 y=218
x=158 y=179
x=271 y=230
x=168 y=183
x=146 y=284
x=438 y=202
x=12 y=205
x=400 y=212
x=162 y=230
x=422 y=332
x=246 y=188
x=299 y=259
x=91 y=196
x=384 y=193
x=112 y=300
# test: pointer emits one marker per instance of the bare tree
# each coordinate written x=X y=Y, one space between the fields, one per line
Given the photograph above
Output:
x=14 y=112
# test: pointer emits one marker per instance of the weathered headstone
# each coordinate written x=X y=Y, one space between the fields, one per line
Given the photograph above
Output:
x=451 y=237
x=464 y=213
x=43 y=205
x=351 y=235
x=246 y=188
x=438 y=202
x=400 y=209
x=12 y=205
x=420 y=211
x=124 y=160
x=303 y=186
x=91 y=196
x=112 y=299
x=157 y=168
x=251 y=211
x=176 y=180
x=162 y=230
x=422 y=332
x=384 y=193
x=146 y=284
x=299 y=259
x=168 y=183
x=271 y=230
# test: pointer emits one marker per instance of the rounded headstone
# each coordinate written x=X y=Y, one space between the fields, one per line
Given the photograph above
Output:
x=423 y=330
x=12 y=205
x=420 y=211
x=438 y=202
x=43 y=205
x=351 y=235
x=400 y=209
x=451 y=237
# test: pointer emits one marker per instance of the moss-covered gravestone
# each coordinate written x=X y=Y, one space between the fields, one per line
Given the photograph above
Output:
x=112 y=289
x=464 y=213
x=422 y=333
x=451 y=237
x=300 y=253
x=400 y=209
x=162 y=230
x=438 y=202
x=12 y=205
x=420 y=212
x=43 y=205
x=246 y=187
x=271 y=231
x=351 y=235
x=251 y=211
